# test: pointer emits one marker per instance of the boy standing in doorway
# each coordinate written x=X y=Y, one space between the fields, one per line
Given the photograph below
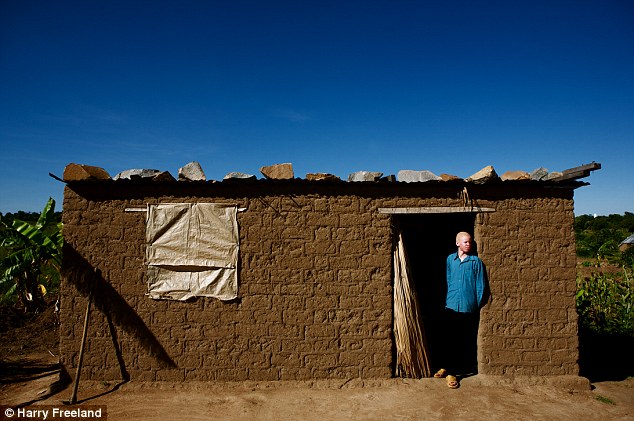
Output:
x=465 y=292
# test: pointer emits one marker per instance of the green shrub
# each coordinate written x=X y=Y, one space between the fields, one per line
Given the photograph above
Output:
x=30 y=259
x=605 y=303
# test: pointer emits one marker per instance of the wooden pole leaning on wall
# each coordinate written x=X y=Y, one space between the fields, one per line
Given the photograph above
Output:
x=91 y=285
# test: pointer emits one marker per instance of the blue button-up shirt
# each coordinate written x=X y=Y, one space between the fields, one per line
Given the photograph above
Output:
x=465 y=283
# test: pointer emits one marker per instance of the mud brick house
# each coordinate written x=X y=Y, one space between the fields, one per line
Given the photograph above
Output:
x=295 y=277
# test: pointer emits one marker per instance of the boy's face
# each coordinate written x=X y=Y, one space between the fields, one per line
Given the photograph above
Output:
x=464 y=244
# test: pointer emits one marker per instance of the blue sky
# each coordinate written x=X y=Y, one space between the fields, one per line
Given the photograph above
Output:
x=331 y=86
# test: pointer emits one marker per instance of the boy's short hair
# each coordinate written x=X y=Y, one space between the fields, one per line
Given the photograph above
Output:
x=462 y=234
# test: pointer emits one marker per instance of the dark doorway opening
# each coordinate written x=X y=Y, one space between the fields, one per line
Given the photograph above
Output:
x=429 y=238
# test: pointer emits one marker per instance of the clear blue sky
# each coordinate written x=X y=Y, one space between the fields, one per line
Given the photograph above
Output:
x=331 y=86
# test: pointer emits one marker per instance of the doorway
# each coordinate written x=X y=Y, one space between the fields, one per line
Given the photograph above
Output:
x=428 y=239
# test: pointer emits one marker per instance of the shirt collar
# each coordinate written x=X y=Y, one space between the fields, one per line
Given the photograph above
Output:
x=458 y=258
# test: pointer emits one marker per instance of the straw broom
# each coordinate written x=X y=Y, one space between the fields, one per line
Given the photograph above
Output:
x=411 y=343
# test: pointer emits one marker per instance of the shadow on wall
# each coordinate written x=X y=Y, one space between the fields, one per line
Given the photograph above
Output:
x=605 y=357
x=79 y=273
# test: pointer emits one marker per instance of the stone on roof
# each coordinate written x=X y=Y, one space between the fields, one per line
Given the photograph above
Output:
x=278 y=171
x=485 y=175
x=163 y=176
x=322 y=176
x=239 y=176
x=539 y=174
x=192 y=172
x=449 y=177
x=413 y=176
x=79 y=172
x=136 y=173
x=553 y=175
x=515 y=175
x=365 y=176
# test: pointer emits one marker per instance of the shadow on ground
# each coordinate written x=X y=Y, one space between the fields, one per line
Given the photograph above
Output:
x=31 y=378
x=605 y=357
x=23 y=370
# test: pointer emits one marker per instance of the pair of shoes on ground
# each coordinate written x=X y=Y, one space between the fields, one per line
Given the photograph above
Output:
x=452 y=381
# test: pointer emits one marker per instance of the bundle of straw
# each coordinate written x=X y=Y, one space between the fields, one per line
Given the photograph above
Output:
x=411 y=343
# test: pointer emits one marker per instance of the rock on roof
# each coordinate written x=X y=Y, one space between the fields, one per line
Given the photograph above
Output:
x=194 y=172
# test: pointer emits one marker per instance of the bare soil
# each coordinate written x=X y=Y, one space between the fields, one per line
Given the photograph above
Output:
x=29 y=375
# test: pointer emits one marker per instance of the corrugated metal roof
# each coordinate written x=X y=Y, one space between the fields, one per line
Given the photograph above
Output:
x=628 y=240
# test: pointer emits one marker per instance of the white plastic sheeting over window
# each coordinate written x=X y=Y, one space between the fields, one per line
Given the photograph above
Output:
x=192 y=251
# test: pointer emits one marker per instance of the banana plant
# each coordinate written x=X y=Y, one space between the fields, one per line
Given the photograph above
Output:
x=33 y=259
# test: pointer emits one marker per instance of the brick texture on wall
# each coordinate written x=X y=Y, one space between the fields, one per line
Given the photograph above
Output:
x=530 y=325
x=315 y=282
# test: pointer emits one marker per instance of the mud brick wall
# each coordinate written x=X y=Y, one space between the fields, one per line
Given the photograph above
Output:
x=315 y=282
x=530 y=325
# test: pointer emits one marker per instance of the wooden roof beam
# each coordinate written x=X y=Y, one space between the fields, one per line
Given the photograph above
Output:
x=578 y=172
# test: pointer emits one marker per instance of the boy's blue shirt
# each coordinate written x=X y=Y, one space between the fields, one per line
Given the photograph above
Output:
x=465 y=283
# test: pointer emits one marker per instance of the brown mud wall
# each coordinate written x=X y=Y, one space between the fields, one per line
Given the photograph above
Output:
x=315 y=282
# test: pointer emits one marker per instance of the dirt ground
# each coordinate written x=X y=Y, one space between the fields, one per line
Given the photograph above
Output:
x=30 y=374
